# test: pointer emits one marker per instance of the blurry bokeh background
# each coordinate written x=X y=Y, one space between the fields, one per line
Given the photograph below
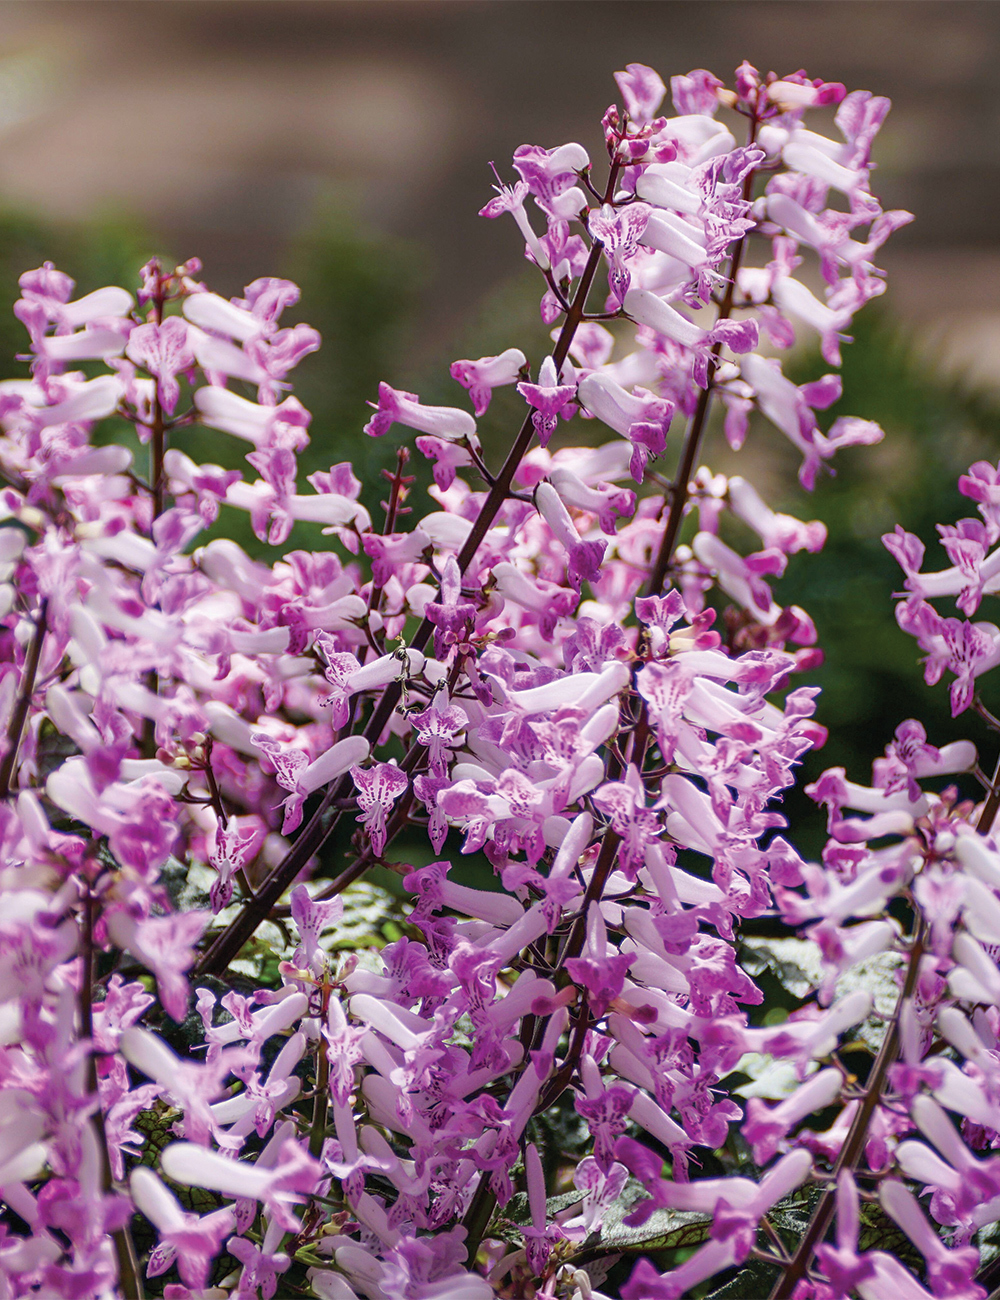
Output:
x=347 y=144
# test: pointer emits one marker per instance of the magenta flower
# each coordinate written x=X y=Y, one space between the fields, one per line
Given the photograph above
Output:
x=378 y=787
x=446 y=422
x=235 y=848
x=551 y=173
x=438 y=728
x=311 y=918
x=696 y=93
x=764 y=1128
x=166 y=945
x=451 y=615
x=511 y=199
x=642 y=90
x=619 y=232
x=343 y=1051
x=625 y=804
x=165 y=351
x=448 y=458
x=548 y=398
x=639 y=416
x=482 y=376
x=295 y=773
x=185 y=1239
x=278 y=1186
x=606 y=1111
x=192 y=1085
x=261 y=1265
x=620 y=764
x=950 y=1272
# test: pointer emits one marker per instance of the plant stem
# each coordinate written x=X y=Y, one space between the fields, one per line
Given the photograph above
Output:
x=850 y=1152
x=681 y=489
x=397 y=495
x=129 y=1276
x=323 y=821
x=595 y=891
x=477 y=1216
x=317 y=1131
x=18 y=718
x=992 y=804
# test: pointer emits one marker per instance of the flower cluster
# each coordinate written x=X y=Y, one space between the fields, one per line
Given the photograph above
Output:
x=529 y=673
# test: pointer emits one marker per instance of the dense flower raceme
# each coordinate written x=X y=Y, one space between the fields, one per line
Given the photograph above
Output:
x=531 y=672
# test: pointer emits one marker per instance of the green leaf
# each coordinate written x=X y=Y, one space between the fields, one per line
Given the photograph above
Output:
x=663 y=1230
x=518 y=1211
x=988 y=1241
x=798 y=967
x=795 y=963
x=752 y=1282
x=878 y=1232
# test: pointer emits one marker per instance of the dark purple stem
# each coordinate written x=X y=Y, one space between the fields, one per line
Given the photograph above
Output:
x=850 y=1152
x=19 y=717
x=321 y=825
x=680 y=489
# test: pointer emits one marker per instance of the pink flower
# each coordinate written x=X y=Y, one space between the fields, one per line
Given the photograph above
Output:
x=764 y=1128
x=511 y=199
x=639 y=416
x=438 y=728
x=642 y=90
x=295 y=773
x=549 y=399
x=696 y=93
x=261 y=1266
x=166 y=945
x=165 y=351
x=185 y=1239
x=235 y=847
x=311 y=918
x=451 y=615
x=482 y=376
x=278 y=1186
x=619 y=232
x=446 y=422
x=378 y=787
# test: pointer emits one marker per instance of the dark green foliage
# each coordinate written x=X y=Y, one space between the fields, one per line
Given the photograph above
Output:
x=106 y=251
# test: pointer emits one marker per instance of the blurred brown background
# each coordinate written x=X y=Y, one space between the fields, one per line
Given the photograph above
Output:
x=225 y=126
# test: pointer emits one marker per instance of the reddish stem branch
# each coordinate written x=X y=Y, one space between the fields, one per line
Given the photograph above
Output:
x=323 y=822
x=397 y=495
x=19 y=717
x=681 y=487
x=850 y=1152
x=992 y=805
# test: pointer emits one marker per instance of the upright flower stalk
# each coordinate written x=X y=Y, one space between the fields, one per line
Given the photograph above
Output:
x=681 y=487
x=527 y=671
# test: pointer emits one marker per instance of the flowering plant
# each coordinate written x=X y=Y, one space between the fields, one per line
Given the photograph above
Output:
x=518 y=1090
